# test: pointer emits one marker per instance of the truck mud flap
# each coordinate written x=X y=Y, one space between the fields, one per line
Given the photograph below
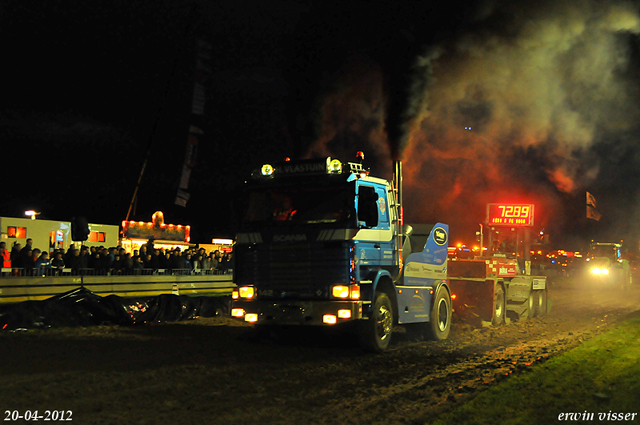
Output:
x=472 y=299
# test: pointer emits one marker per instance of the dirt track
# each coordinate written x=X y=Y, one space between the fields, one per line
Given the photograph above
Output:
x=213 y=370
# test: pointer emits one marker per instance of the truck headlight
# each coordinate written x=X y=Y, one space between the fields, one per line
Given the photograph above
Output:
x=346 y=292
x=237 y=312
x=246 y=292
x=340 y=291
x=600 y=271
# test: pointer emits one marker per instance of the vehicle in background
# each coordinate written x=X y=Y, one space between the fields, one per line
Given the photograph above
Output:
x=606 y=266
x=566 y=263
x=502 y=283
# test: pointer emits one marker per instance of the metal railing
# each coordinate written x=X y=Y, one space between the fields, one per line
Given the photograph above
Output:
x=50 y=272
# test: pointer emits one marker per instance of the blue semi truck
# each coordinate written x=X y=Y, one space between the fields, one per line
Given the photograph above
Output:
x=323 y=243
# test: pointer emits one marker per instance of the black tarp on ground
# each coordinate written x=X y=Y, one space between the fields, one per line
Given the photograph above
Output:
x=81 y=307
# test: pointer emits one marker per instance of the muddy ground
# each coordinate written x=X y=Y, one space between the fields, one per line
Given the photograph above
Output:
x=214 y=370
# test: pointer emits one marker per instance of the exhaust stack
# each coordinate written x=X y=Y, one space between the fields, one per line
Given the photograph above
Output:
x=397 y=183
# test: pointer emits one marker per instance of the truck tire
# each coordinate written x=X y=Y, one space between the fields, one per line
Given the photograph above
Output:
x=375 y=333
x=531 y=305
x=541 y=303
x=625 y=280
x=440 y=318
x=499 y=307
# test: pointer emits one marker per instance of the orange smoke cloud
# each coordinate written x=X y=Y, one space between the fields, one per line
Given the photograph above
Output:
x=506 y=111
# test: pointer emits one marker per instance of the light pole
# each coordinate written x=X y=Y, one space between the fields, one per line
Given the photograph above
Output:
x=481 y=234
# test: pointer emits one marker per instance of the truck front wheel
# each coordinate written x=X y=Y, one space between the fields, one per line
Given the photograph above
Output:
x=375 y=332
x=440 y=318
x=498 y=307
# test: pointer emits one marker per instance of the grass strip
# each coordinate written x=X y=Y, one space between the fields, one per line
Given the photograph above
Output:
x=596 y=382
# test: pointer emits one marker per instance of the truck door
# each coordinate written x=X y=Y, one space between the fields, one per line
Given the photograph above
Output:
x=374 y=238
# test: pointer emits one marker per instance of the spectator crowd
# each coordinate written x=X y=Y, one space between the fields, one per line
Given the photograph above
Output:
x=30 y=261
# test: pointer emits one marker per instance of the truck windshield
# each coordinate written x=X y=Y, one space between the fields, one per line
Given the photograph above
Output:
x=301 y=205
x=608 y=251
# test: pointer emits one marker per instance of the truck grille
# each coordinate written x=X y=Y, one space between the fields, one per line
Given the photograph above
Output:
x=293 y=266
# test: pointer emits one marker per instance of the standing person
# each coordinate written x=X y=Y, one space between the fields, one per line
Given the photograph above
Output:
x=5 y=256
x=154 y=260
x=70 y=253
x=189 y=261
x=116 y=266
x=230 y=262
x=42 y=266
x=27 y=248
x=106 y=261
x=215 y=260
x=15 y=255
x=197 y=263
x=16 y=259
x=150 y=246
x=145 y=259
x=127 y=264
x=74 y=260
x=224 y=262
x=137 y=266
x=27 y=262
x=94 y=260
x=181 y=260
x=205 y=263
x=84 y=258
x=57 y=264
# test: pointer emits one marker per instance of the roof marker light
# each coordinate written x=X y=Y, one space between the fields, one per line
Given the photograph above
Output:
x=334 y=167
x=267 y=170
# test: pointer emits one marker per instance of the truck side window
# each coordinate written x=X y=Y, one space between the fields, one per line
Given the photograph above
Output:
x=368 y=206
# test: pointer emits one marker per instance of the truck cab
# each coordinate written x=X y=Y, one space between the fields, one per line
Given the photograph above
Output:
x=321 y=243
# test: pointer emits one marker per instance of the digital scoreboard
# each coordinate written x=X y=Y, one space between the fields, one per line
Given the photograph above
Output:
x=512 y=215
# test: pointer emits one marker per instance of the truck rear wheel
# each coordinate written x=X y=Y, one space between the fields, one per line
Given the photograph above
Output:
x=498 y=307
x=626 y=280
x=440 y=318
x=531 y=305
x=541 y=303
x=375 y=333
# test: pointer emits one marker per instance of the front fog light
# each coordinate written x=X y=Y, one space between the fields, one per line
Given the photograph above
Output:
x=344 y=314
x=251 y=317
x=329 y=319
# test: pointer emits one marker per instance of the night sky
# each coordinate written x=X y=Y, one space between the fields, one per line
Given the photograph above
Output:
x=484 y=101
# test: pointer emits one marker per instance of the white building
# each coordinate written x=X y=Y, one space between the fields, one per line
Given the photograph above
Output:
x=48 y=234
